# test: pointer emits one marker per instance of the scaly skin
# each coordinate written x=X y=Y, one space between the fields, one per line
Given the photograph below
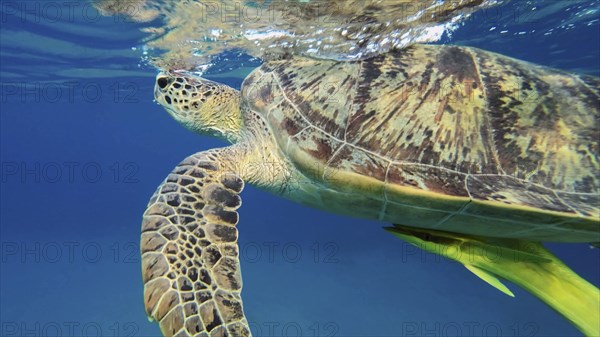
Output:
x=442 y=137
x=433 y=137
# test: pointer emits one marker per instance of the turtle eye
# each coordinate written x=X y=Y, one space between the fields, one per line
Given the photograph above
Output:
x=162 y=82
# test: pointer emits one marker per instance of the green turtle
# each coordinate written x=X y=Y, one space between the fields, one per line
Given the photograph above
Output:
x=435 y=139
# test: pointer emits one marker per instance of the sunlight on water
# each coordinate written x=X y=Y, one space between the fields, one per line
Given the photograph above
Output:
x=192 y=33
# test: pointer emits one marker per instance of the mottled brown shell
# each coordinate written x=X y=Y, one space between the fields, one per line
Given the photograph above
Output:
x=444 y=137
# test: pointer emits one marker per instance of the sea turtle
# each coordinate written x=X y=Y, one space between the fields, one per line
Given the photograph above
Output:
x=445 y=138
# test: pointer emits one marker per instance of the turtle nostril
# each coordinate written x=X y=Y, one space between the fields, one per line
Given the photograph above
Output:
x=162 y=82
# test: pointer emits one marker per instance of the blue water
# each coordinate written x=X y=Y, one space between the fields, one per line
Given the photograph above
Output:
x=83 y=147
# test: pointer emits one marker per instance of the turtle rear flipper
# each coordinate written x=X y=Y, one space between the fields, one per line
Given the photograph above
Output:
x=525 y=263
x=190 y=257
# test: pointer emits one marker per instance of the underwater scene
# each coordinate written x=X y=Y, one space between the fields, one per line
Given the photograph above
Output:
x=407 y=168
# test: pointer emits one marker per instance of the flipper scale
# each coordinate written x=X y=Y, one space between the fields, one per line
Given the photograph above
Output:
x=190 y=257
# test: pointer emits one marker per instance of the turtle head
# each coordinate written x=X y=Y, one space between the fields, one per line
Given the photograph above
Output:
x=201 y=105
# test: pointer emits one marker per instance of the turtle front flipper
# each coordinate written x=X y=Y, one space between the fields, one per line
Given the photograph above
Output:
x=190 y=257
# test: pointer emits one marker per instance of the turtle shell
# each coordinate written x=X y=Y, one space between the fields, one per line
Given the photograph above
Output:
x=444 y=137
